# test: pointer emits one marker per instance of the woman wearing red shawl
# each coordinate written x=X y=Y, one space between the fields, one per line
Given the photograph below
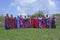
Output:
x=36 y=23
x=31 y=22
x=43 y=22
x=7 y=22
x=11 y=22
x=15 y=22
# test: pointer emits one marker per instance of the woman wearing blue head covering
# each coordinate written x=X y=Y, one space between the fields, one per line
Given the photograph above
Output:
x=18 y=23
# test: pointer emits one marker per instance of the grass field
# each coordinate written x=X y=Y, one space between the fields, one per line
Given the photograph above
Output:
x=30 y=34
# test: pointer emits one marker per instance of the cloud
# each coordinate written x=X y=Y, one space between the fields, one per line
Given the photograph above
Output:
x=25 y=5
x=12 y=4
x=52 y=3
x=22 y=2
x=31 y=6
x=21 y=11
x=51 y=6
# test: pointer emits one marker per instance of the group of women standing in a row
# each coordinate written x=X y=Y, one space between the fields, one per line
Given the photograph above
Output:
x=34 y=22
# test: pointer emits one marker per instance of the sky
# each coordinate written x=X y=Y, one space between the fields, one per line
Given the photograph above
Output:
x=28 y=7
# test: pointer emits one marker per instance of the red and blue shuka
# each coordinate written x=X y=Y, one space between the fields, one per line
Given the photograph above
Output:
x=15 y=23
x=24 y=23
x=7 y=22
x=43 y=22
x=47 y=23
x=27 y=23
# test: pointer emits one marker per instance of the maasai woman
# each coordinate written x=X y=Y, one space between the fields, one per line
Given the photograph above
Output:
x=43 y=22
x=47 y=21
x=18 y=22
x=53 y=25
x=7 y=22
x=28 y=22
x=15 y=22
x=36 y=23
x=40 y=22
x=25 y=22
x=32 y=22
x=11 y=22
x=21 y=21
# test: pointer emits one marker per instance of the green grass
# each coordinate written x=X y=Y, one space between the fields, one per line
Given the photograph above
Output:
x=30 y=34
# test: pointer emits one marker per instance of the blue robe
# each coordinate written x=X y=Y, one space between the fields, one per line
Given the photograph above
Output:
x=28 y=23
x=40 y=23
x=48 y=23
x=7 y=26
x=18 y=23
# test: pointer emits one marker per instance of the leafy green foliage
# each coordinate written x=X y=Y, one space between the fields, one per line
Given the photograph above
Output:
x=1 y=21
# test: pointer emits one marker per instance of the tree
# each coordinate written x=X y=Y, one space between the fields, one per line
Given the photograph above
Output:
x=38 y=14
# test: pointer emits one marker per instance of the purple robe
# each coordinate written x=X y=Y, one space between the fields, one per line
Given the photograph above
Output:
x=21 y=22
x=40 y=23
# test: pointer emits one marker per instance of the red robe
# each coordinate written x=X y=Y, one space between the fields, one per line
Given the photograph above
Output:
x=24 y=23
x=12 y=23
x=36 y=23
x=15 y=23
x=43 y=23
x=31 y=22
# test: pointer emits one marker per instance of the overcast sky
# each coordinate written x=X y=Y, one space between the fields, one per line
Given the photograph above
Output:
x=17 y=7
